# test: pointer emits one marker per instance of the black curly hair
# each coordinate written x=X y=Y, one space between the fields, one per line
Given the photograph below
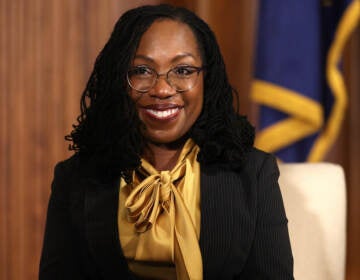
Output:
x=108 y=130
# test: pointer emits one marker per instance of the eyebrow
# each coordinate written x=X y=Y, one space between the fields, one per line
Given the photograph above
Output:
x=176 y=58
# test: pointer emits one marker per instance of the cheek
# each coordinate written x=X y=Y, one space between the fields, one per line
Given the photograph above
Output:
x=195 y=108
x=199 y=100
x=198 y=106
x=134 y=96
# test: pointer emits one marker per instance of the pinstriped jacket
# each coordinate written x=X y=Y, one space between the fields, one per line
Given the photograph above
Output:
x=243 y=233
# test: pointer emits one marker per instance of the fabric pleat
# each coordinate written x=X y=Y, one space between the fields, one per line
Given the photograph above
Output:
x=159 y=219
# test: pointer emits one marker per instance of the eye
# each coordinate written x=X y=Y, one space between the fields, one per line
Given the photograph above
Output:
x=184 y=70
x=141 y=71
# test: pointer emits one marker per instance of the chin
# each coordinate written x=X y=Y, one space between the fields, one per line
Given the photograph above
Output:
x=167 y=139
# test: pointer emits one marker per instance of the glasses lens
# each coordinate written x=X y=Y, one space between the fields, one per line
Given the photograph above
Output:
x=141 y=78
x=183 y=78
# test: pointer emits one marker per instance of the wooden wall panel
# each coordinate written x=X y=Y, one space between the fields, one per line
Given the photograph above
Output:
x=47 y=49
x=234 y=24
x=349 y=153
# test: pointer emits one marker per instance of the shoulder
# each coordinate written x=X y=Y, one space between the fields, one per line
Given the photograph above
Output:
x=256 y=162
x=69 y=164
x=68 y=168
x=260 y=171
x=66 y=174
x=259 y=161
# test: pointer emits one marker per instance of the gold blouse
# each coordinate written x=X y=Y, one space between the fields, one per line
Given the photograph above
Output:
x=159 y=219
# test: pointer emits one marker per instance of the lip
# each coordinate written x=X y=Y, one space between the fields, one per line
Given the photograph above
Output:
x=162 y=112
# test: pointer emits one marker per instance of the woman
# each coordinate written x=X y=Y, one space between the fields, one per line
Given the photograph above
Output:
x=164 y=183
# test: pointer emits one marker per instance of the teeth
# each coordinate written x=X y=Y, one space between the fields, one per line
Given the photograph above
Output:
x=163 y=114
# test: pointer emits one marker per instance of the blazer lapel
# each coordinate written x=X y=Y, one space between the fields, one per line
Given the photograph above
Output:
x=101 y=206
x=216 y=220
x=226 y=221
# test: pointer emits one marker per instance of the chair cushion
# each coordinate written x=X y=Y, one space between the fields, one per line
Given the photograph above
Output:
x=314 y=196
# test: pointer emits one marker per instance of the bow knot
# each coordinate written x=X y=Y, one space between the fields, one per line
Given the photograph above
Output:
x=152 y=196
x=165 y=186
x=159 y=212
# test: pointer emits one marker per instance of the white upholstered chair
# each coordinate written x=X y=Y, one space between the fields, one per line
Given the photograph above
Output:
x=314 y=196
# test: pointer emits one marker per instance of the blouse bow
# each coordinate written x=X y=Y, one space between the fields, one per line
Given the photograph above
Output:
x=157 y=195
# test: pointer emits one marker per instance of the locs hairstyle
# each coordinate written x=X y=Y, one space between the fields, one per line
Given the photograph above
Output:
x=108 y=129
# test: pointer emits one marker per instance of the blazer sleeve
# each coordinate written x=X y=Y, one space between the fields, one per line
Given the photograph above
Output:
x=60 y=254
x=270 y=256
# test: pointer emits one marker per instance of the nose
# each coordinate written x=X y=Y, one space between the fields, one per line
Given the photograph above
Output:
x=162 y=89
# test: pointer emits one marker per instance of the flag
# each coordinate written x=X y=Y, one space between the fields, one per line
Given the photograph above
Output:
x=298 y=78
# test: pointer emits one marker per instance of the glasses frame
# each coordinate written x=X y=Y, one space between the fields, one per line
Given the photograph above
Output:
x=166 y=75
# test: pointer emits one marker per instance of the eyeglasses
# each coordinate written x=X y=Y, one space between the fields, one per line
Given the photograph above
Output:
x=181 y=78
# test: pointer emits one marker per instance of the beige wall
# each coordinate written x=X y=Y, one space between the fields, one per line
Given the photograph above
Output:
x=47 y=49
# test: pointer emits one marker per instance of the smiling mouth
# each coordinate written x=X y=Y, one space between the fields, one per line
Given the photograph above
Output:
x=163 y=114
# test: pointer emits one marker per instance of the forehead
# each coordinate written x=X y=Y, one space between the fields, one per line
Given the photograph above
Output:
x=166 y=38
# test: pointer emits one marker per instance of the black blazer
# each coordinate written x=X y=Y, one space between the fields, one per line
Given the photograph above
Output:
x=243 y=232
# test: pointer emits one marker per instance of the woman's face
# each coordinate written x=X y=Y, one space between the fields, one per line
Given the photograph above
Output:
x=167 y=114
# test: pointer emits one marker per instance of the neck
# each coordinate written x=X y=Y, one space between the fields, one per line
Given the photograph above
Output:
x=163 y=156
